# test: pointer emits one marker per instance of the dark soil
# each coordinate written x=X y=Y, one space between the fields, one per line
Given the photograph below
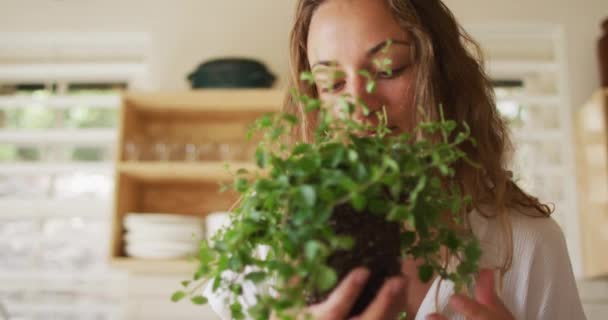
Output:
x=376 y=247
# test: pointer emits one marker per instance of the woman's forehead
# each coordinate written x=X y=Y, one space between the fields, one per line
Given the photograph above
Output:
x=349 y=29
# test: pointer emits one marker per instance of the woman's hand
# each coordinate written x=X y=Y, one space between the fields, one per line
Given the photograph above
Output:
x=486 y=306
x=388 y=304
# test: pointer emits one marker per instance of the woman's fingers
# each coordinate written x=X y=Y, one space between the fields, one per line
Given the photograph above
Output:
x=485 y=306
x=484 y=288
x=390 y=301
x=470 y=308
x=435 y=316
x=341 y=300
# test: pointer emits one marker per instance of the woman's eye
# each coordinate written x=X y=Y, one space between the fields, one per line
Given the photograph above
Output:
x=389 y=74
x=332 y=87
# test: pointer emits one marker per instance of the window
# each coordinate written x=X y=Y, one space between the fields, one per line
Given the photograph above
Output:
x=527 y=66
x=58 y=118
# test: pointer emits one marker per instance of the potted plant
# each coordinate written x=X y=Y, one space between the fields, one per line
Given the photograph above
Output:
x=344 y=200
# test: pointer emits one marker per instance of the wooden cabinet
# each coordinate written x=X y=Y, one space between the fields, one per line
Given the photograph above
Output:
x=591 y=123
x=179 y=185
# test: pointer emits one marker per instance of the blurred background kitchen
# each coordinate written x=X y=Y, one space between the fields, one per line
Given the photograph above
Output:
x=110 y=162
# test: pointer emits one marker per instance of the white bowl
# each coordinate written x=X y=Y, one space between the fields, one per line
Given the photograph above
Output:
x=161 y=250
x=160 y=234
x=161 y=218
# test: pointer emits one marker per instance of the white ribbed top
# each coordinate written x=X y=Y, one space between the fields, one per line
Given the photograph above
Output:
x=539 y=286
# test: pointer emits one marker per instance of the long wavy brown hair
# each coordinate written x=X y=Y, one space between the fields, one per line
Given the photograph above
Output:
x=449 y=72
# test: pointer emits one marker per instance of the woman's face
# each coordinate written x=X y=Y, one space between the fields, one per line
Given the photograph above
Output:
x=346 y=36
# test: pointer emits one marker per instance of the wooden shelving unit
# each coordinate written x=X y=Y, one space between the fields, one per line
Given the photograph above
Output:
x=189 y=188
x=591 y=125
x=204 y=171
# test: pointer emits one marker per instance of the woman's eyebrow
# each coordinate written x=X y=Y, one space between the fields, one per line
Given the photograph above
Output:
x=375 y=49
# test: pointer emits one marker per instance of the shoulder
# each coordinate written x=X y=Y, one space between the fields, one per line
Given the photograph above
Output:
x=539 y=283
x=539 y=230
x=529 y=233
x=534 y=248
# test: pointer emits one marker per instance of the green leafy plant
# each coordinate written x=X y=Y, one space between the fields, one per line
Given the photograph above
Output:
x=304 y=197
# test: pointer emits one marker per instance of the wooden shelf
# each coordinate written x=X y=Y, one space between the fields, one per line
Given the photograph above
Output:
x=214 y=100
x=154 y=266
x=202 y=117
x=591 y=123
x=211 y=171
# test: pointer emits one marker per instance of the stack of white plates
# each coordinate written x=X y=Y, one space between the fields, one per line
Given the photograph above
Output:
x=162 y=236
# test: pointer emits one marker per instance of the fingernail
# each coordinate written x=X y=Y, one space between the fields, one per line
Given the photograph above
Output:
x=397 y=287
x=361 y=276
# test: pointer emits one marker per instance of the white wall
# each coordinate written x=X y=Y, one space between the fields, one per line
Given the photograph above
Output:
x=186 y=32
x=580 y=19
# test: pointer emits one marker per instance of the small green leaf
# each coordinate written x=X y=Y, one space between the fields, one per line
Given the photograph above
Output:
x=398 y=213
x=407 y=239
x=236 y=310
x=326 y=278
x=358 y=201
x=365 y=74
x=177 y=296
x=242 y=185
x=425 y=273
x=343 y=243
x=265 y=121
x=472 y=251
x=452 y=241
x=290 y=118
x=236 y=288
x=308 y=77
x=302 y=148
x=370 y=86
x=256 y=276
x=312 y=250
x=261 y=158
x=185 y=283
x=312 y=105
x=217 y=281
x=198 y=300
x=364 y=108
x=309 y=195
x=387 y=46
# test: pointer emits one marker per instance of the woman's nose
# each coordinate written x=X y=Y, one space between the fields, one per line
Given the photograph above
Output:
x=361 y=97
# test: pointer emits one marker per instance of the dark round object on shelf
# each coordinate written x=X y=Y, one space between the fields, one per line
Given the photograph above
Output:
x=231 y=73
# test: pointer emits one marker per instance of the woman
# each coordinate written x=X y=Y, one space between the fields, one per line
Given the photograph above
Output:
x=430 y=66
